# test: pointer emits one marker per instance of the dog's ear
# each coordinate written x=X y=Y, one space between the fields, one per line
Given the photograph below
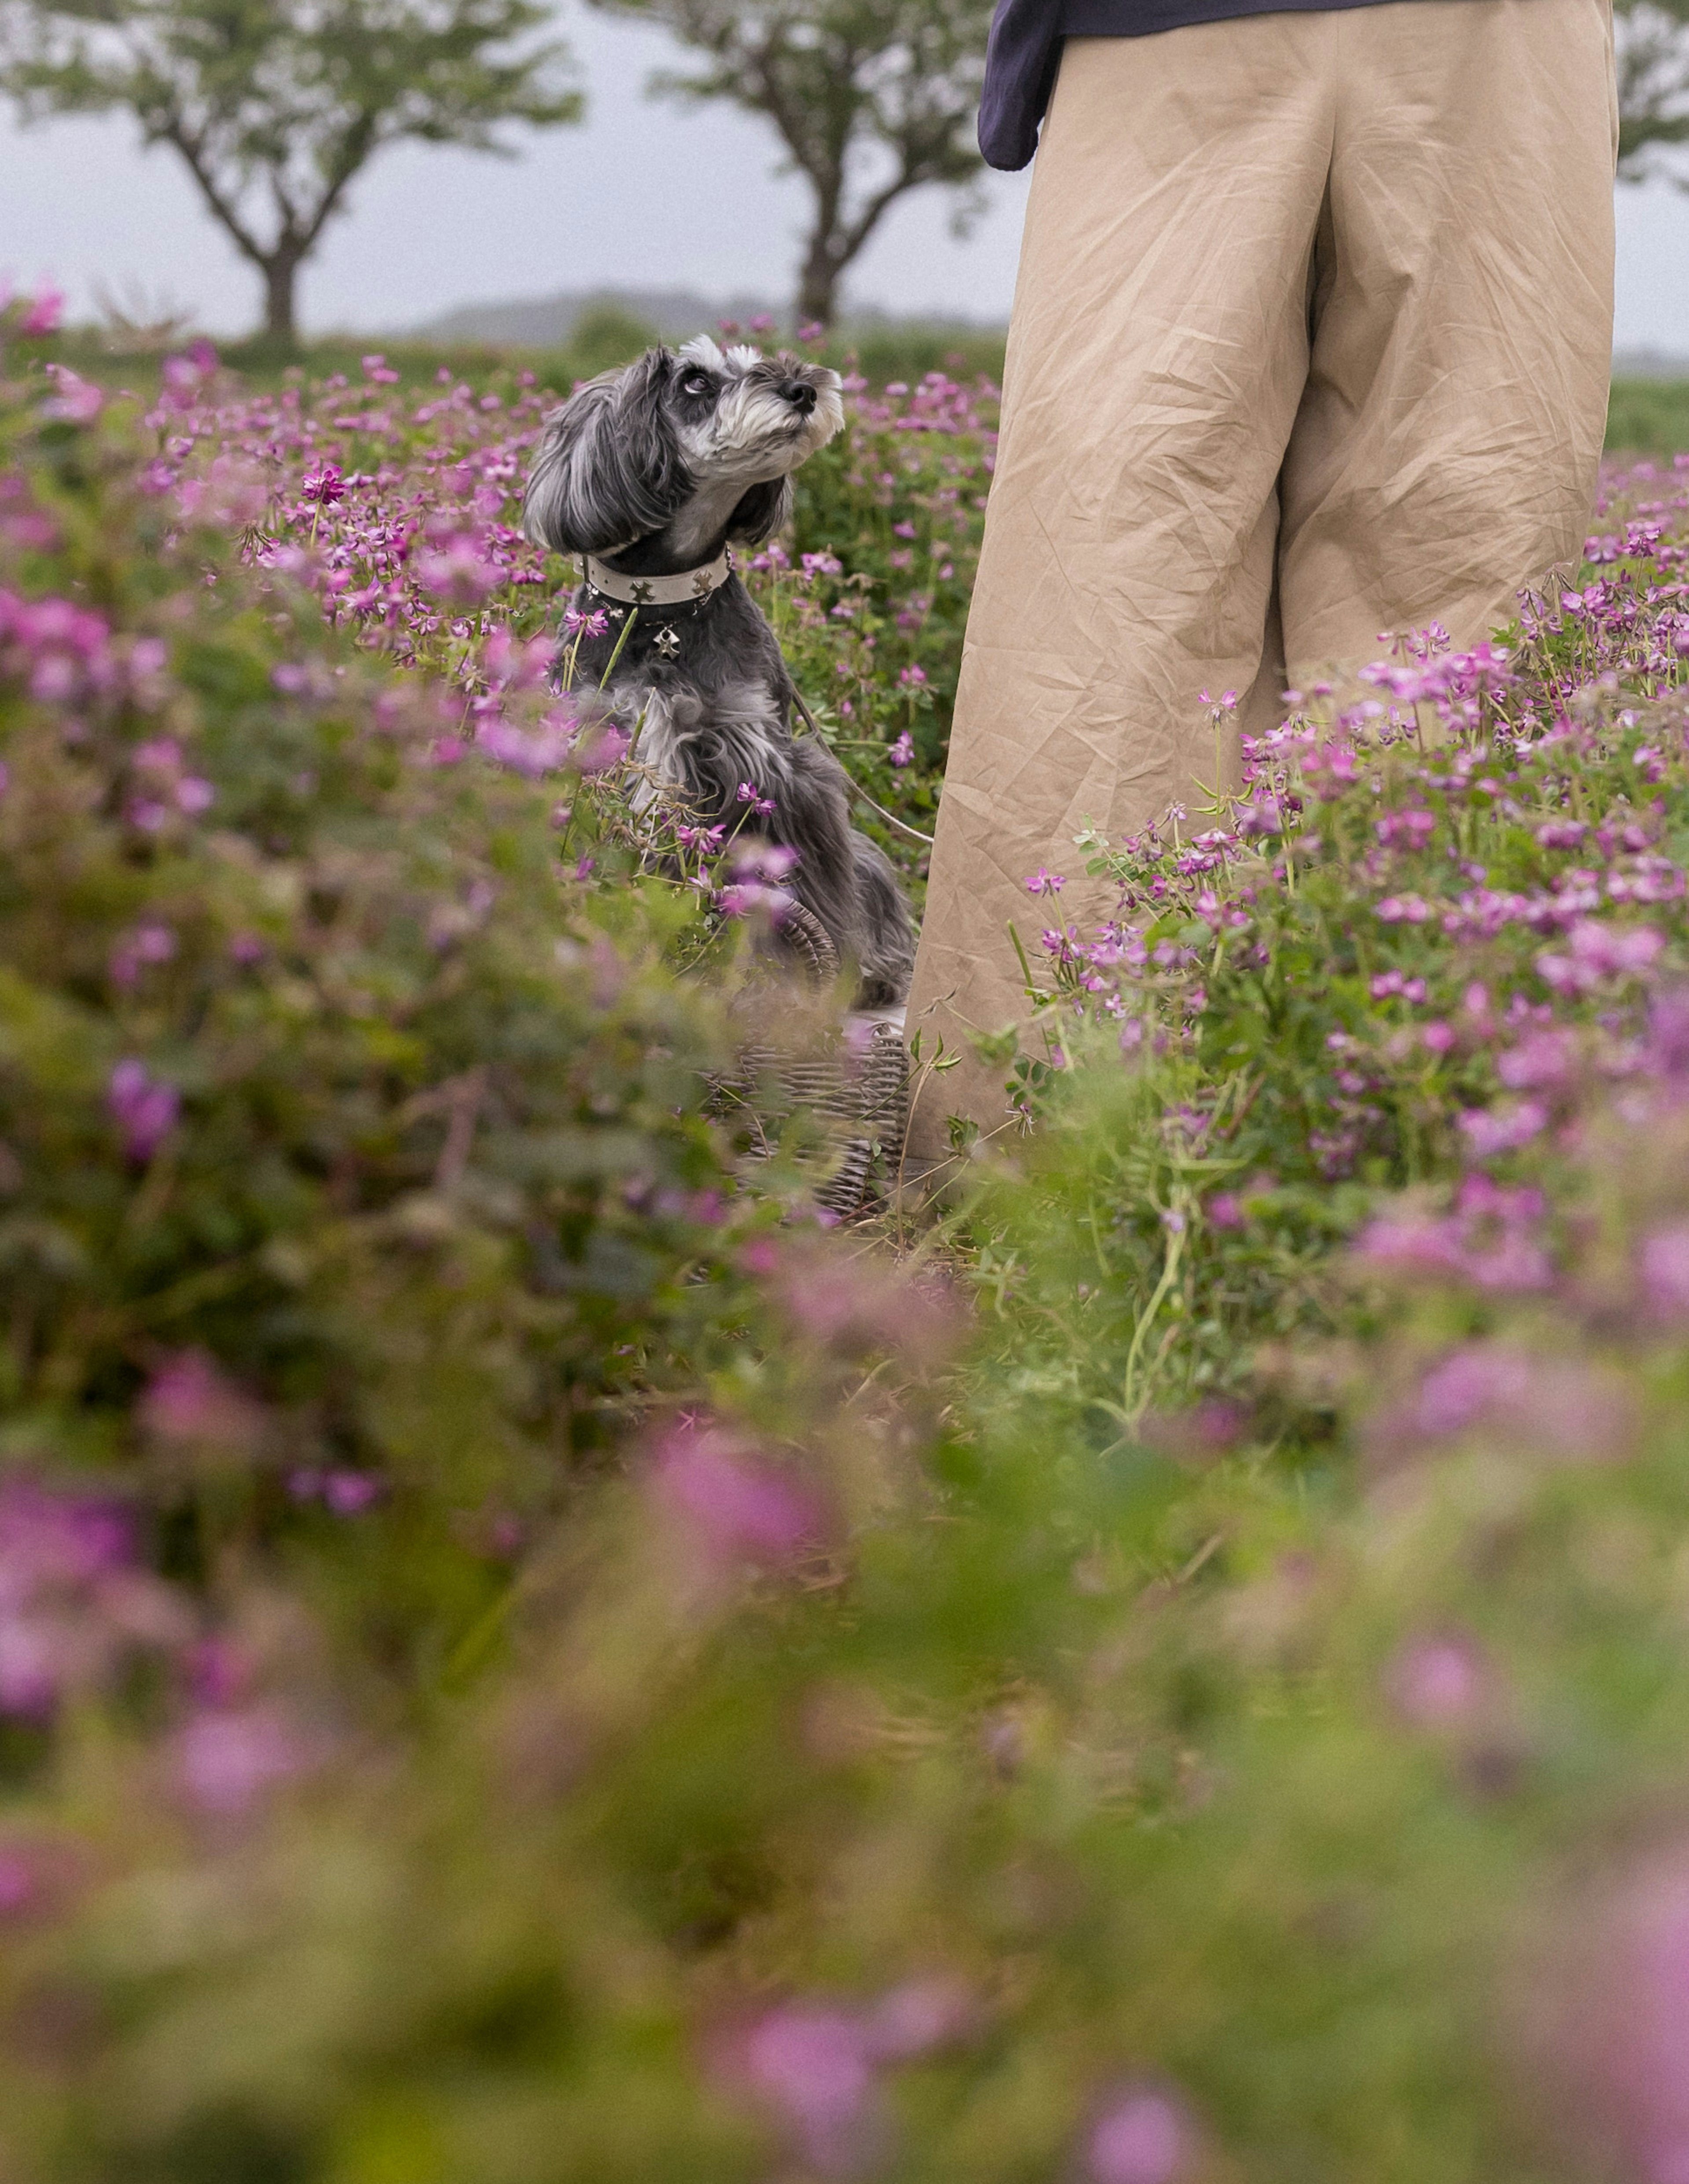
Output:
x=610 y=469
x=761 y=512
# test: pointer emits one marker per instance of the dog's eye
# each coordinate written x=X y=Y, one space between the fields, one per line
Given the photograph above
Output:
x=697 y=383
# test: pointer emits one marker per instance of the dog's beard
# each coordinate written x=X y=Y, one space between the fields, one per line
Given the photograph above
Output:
x=755 y=434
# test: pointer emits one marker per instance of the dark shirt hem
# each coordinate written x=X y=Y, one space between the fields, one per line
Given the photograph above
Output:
x=1142 y=18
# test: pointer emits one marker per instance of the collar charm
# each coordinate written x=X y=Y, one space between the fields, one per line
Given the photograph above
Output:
x=668 y=641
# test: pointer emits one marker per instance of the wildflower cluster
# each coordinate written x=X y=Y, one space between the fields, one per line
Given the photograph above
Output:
x=1209 y=1705
x=1442 y=898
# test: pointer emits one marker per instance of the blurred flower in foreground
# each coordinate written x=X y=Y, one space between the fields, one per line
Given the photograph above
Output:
x=144 y=1110
x=1663 y=1262
x=1610 y=2020
x=1555 y=1409
x=1144 y=2136
x=813 y=2066
x=72 y=1604
x=817 y=2065
x=1435 y=1682
x=190 y=1401
x=734 y=1504
x=226 y=1760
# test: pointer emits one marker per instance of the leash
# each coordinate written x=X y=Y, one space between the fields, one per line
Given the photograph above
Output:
x=855 y=786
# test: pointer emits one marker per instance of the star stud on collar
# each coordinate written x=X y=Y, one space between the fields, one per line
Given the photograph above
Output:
x=668 y=641
x=642 y=593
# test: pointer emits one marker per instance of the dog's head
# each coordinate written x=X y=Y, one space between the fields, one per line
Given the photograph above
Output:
x=628 y=452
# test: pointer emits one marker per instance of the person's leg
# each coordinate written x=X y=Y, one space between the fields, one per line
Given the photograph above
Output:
x=1157 y=357
x=1447 y=448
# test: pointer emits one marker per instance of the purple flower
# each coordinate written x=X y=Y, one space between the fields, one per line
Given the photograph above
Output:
x=1663 y=1260
x=1476 y=1381
x=144 y=1109
x=226 y=1760
x=814 y=2067
x=349 y=1493
x=1144 y=2136
x=902 y=752
x=738 y=1506
x=324 y=486
x=459 y=571
x=1433 y=1682
x=532 y=753
x=1542 y=1058
x=42 y=312
x=190 y=1401
x=75 y=401
x=1503 y=1129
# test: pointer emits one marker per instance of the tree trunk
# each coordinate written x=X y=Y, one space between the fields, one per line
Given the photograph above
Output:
x=818 y=285
x=280 y=272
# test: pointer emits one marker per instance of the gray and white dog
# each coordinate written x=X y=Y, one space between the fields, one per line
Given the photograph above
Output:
x=652 y=474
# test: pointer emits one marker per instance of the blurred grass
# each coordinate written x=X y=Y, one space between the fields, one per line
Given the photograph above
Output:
x=1645 y=416
x=1648 y=417
x=603 y=338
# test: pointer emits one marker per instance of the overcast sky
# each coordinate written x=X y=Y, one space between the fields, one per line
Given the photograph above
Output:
x=644 y=195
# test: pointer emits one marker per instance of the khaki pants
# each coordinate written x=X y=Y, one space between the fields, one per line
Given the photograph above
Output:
x=1310 y=343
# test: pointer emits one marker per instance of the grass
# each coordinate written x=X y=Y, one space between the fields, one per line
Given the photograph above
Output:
x=882 y=355
x=1648 y=416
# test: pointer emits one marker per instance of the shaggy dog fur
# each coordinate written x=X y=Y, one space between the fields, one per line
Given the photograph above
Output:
x=653 y=470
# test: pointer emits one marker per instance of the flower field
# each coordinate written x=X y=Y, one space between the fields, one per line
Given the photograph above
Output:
x=530 y=1656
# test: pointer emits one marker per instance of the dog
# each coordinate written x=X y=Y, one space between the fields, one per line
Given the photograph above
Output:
x=652 y=474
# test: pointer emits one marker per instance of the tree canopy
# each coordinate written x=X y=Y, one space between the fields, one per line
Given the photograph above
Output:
x=1652 y=37
x=871 y=98
x=275 y=105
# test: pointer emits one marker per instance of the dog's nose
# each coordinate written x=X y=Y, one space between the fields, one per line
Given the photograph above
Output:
x=800 y=394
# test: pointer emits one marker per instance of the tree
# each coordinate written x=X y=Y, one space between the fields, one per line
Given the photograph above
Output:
x=1652 y=38
x=275 y=105
x=872 y=98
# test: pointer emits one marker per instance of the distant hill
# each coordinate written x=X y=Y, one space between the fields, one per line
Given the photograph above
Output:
x=549 y=321
x=1648 y=364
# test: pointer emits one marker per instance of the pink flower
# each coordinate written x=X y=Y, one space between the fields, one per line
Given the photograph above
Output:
x=1435 y=1681
x=43 y=312
x=226 y=1760
x=1045 y=882
x=739 y=1507
x=532 y=753
x=325 y=486
x=1144 y=2136
x=349 y=1493
x=144 y=1109
x=75 y=401
x=1492 y=1130
x=1664 y=1265
x=1600 y=951
x=902 y=752
x=17 y=1883
x=459 y=571
x=813 y=2066
x=1541 y=1058
x=190 y=1399
x=147 y=945
x=1615 y=2014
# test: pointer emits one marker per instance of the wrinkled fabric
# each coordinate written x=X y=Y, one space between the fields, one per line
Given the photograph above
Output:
x=1310 y=343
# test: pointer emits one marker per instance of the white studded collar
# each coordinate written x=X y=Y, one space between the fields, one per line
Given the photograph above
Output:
x=690 y=586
